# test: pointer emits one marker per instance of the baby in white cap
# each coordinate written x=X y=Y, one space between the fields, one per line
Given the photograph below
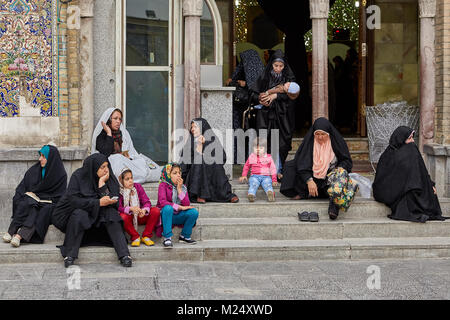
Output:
x=292 y=89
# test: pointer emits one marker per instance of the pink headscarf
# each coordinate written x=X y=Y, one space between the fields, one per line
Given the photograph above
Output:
x=322 y=156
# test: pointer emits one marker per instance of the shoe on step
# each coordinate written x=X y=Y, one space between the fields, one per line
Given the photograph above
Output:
x=148 y=241
x=136 y=243
x=126 y=261
x=313 y=217
x=304 y=216
x=7 y=237
x=186 y=240
x=270 y=196
x=15 y=241
x=69 y=261
x=251 y=197
x=168 y=243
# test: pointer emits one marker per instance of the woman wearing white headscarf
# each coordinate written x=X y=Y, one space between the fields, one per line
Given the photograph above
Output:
x=112 y=139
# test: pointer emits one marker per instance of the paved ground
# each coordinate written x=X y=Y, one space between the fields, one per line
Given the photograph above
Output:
x=399 y=279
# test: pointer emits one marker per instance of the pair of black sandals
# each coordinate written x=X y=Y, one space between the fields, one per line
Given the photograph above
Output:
x=306 y=216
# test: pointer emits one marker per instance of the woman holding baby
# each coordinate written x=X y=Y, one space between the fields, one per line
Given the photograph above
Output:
x=274 y=90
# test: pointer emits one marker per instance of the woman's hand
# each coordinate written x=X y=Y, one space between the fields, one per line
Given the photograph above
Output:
x=275 y=184
x=268 y=99
x=242 y=83
x=102 y=180
x=183 y=208
x=142 y=213
x=201 y=140
x=135 y=209
x=107 y=129
x=312 y=188
x=434 y=189
x=179 y=184
x=243 y=179
x=106 y=201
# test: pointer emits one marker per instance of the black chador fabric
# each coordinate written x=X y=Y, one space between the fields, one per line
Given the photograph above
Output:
x=298 y=171
x=79 y=209
x=402 y=181
x=105 y=144
x=29 y=213
x=203 y=178
x=276 y=116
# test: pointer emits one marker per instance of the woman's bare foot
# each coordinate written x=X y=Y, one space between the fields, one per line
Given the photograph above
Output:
x=201 y=200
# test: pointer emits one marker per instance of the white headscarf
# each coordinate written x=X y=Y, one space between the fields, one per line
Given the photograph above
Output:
x=127 y=143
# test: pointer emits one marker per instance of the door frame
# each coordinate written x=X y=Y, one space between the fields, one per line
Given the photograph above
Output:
x=121 y=68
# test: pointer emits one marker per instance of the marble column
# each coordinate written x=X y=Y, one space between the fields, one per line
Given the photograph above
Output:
x=192 y=11
x=319 y=14
x=86 y=70
x=427 y=13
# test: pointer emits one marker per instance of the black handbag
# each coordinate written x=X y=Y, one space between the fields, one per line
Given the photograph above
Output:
x=241 y=97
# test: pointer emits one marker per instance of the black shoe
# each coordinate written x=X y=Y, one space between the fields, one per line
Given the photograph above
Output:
x=304 y=216
x=333 y=211
x=126 y=261
x=313 y=217
x=69 y=261
x=168 y=243
x=187 y=240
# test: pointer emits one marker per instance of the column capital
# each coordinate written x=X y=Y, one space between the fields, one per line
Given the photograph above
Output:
x=319 y=9
x=86 y=8
x=427 y=8
x=192 y=8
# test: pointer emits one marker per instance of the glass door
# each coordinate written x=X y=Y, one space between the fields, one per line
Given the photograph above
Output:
x=148 y=64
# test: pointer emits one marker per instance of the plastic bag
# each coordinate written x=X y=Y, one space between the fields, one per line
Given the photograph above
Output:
x=365 y=185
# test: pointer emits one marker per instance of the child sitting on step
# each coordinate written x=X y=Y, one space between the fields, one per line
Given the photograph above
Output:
x=263 y=171
x=176 y=209
x=135 y=209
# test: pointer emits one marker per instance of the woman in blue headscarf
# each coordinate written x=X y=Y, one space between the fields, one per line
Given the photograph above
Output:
x=35 y=198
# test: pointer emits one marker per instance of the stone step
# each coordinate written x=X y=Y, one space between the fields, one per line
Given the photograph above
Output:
x=245 y=250
x=290 y=228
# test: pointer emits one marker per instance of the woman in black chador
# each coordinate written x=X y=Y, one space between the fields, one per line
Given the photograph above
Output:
x=402 y=181
x=46 y=180
x=275 y=111
x=203 y=174
x=322 y=150
x=88 y=213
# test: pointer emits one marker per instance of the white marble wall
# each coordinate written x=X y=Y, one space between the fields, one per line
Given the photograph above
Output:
x=438 y=164
x=217 y=109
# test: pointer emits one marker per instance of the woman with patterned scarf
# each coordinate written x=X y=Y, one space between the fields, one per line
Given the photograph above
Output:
x=173 y=201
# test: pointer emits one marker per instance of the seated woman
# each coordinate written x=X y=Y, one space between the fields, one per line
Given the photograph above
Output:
x=112 y=139
x=205 y=177
x=45 y=181
x=322 y=150
x=173 y=201
x=402 y=181
x=88 y=212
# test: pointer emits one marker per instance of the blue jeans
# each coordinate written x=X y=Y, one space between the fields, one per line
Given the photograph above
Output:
x=186 y=218
x=255 y=181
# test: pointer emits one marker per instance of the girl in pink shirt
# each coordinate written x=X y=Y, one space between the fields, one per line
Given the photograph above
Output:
x=263 y=171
